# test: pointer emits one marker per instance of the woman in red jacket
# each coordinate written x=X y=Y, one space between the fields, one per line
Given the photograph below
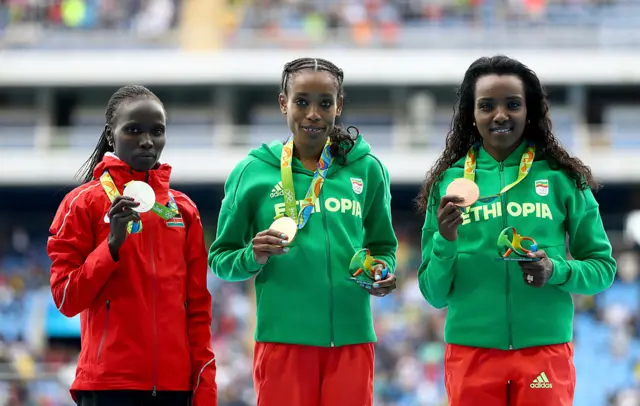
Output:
x=137 y=278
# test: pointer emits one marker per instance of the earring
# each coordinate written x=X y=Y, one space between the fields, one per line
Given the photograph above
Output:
x=474 y=124
x=110 y=142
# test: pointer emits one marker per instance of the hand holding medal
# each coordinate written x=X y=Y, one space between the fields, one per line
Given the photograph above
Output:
x=141 y=193
x=465 y=190
x=274 y=241
x=286 y=226
x=124 y=217
x=138 y=197
x=121 y=214
x=283 y=230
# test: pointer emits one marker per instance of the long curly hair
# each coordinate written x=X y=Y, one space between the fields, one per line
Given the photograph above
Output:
x=342 y=140
x=463 y=134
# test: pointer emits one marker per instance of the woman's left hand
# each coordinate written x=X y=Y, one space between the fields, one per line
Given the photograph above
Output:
x=382 y=287
x=537 y=273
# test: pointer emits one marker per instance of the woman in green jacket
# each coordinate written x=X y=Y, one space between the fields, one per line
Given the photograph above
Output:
x=500 y=264
x=314 y=331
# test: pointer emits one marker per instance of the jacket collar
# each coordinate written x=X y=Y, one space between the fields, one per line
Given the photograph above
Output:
x=157 y=178
x=486 y=161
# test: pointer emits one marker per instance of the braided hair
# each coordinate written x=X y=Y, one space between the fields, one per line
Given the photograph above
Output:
x=124 y=94
x=463 y=134
x=341 y=140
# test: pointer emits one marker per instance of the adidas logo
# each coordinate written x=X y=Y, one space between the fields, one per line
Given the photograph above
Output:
x=541 y=382
x=277 y=190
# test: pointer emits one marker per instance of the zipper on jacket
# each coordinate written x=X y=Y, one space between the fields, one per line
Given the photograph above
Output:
x=155 y=324
x=186 y=317
x=506 y=263
x=106 y=328
x=328 y=252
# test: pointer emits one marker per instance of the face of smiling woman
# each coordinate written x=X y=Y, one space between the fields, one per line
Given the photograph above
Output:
x=311 y=105
x=500 y=113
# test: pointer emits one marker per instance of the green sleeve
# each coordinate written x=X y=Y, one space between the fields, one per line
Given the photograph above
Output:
x=379 y=236
x=593 y=268
x=436 y=272
x=231 y=254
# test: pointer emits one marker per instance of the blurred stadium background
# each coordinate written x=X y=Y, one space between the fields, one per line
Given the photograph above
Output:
x=216 y=64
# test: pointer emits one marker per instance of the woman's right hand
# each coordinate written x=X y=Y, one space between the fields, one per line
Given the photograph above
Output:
x=449 y=217
x=120 y=214
x=267 y=243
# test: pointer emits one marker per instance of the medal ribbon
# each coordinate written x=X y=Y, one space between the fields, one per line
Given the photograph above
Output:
x=165 y=212
x=286 y=172
x=525 y=167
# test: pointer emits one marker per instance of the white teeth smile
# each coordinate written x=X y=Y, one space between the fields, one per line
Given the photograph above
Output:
x=312 y=129
x=501 y=130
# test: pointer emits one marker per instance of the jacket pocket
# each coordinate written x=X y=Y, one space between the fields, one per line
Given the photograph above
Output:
x=105 y=329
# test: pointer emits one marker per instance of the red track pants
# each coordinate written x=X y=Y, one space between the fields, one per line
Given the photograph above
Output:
x=298 y=375
x=533 y=376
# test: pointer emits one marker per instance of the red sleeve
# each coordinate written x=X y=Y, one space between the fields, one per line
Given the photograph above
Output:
x=80 y=266
x=203 y=361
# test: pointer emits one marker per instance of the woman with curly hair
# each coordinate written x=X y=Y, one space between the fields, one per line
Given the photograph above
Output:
x=499 y=204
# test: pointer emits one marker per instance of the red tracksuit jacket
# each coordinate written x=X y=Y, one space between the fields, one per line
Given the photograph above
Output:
x=146 y=319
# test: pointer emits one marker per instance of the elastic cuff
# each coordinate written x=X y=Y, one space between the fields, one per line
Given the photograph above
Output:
x=561 y=272
x=251 y=265
x=102 y=258
x=442 y=247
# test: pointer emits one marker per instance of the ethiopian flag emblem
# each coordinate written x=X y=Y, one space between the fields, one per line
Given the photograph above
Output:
x=542 y=187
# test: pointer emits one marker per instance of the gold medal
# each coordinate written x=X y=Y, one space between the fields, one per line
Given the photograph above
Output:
x=287 y=226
